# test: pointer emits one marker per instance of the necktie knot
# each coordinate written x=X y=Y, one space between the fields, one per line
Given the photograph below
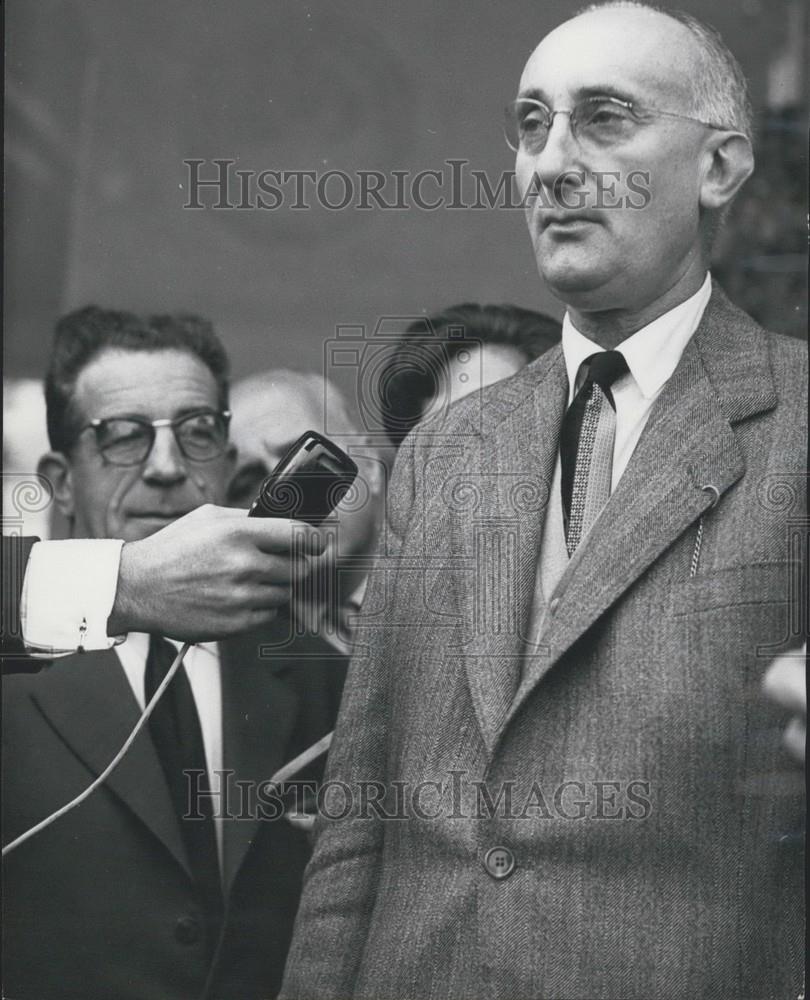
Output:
x=603 y=369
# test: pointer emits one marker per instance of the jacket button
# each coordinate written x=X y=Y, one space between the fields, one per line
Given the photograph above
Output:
x=188 y=930
x=499 y=862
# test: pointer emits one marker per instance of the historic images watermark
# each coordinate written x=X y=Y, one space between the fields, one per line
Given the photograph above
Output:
x=358 y=360
x=784 y=495
x=456 y=796
x=218 y=184
x=24 y=494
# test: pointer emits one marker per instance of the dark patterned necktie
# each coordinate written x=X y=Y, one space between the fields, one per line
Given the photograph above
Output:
x=176 y=733
x=586 y=444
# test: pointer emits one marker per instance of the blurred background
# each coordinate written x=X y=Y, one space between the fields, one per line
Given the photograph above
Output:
x=105 y=102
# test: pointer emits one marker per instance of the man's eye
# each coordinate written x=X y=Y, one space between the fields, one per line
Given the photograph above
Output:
x=605 y=114
x=199 y=432
x=118 y=434
x=532 y=123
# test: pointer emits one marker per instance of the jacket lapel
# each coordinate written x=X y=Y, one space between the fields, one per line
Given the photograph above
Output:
x=724 y=376
x=259 y=711
x=90 y=704
x=500 y=537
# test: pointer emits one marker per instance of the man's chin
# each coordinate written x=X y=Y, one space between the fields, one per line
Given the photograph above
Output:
x=574 y=285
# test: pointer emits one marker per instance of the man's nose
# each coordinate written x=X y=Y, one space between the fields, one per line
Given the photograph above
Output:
x=165 y=463
x=559 y=162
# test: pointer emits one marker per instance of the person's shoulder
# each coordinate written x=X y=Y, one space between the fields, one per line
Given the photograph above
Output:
x=788 y=358
x=736 y=338
x=790 y=375
x=480 y=412
x=433 y=452
x=787 y=351
x=499 y=399
x=724 y=314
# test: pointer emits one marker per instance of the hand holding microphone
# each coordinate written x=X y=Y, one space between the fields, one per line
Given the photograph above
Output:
x=211 y=574
x=215 y=572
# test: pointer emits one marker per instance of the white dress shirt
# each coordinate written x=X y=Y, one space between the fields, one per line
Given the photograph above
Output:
x=67 y=596
x=652 y=355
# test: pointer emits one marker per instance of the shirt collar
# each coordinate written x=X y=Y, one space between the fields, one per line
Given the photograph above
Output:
x=652 y=353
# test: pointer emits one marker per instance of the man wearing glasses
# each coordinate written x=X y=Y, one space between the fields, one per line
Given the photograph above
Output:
x=165 y=882
x=579 y=789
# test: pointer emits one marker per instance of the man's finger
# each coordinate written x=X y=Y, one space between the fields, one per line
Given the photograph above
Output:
x=278 y=535
x=785 y=682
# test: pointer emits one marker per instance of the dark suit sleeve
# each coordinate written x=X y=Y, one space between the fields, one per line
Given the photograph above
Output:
x=341 y=880
x=14 y=550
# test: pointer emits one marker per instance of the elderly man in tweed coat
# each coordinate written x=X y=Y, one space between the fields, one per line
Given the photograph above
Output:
x=554 y=773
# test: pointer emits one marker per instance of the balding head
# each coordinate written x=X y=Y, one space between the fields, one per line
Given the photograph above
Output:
x=682 y=64
x=270 y=411
x=672 y=120
x=272 y=408
x=719 y=90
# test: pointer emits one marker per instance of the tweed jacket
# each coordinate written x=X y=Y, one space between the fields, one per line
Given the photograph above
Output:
x=623 y=763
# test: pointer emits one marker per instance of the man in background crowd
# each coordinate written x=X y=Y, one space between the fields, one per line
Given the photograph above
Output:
x=270 y=411
x=179 y=877
x=447 y=356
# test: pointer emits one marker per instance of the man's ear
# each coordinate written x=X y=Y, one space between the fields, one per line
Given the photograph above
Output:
x=729 y=164
x=55 y=467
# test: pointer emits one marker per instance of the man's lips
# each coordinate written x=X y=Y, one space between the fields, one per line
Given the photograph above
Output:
x=565 y=220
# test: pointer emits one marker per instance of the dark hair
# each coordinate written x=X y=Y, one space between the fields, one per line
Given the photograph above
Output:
x=414 y=371
x=82 y=335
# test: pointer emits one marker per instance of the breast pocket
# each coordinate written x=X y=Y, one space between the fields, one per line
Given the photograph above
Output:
x=754 y=585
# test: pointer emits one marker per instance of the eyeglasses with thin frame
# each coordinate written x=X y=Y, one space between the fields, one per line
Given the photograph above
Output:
x=201 y=436
x=596 y=122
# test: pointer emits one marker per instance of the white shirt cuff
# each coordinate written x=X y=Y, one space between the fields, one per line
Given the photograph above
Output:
x=68 y=594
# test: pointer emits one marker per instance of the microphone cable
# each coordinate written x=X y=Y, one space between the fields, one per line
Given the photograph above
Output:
x=66 y=808
x=286 y=771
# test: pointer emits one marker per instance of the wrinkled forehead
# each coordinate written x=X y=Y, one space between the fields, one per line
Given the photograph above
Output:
x=274 y=410
x=159 y=383
x=641 y=55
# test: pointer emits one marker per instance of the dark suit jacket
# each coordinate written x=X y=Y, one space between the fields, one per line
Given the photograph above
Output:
x=100 y=905
x=631 y=766
x=14 y=550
